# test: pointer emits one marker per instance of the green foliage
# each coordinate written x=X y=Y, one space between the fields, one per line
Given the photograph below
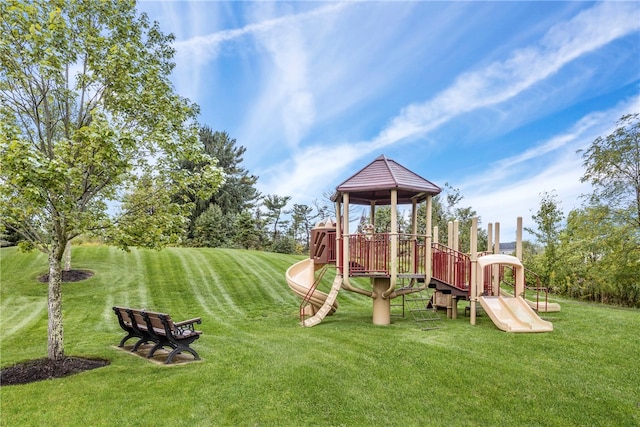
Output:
x=612 y=166
x=259 y=367
x=600 y=258
x=275 y=205
x=236 y=194
x=302 y=218
x=212 y=228
x=284 y=245
x=382 y=221
x=446 y=208
x=596 y=256
x=548 y=220
x=247 y=233
x=88 y=115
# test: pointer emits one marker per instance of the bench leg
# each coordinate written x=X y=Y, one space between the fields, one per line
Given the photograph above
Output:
x=123 y=340
x=139 y=343
x=180 y=350
x=155 y=348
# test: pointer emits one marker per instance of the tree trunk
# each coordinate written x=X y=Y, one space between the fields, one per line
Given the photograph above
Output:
x=55 y=343
x=67 y=257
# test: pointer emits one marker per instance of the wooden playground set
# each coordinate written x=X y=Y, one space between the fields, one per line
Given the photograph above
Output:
x=415 y=268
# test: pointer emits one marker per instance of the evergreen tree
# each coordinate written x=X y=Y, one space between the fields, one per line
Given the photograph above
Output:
x=238 y=192
x=246 y=231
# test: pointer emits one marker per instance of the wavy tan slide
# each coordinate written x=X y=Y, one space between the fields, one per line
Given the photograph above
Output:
x=300 y=277
x=514 y=315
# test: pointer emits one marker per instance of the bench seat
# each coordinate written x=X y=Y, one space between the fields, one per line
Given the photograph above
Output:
x=159 y=328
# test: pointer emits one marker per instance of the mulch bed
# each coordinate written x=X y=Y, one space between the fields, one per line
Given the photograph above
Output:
x=69 y=276
x=46 y=369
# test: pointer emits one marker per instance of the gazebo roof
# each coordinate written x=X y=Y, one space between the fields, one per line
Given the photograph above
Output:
x=375 y=181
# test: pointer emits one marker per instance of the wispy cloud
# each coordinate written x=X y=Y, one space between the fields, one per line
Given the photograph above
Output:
x=560 y=172
x=491 y=85
x=207 y=47
x=503 y=80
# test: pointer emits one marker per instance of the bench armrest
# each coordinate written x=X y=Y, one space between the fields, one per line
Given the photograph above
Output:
x=186 y=326
x=197 y=320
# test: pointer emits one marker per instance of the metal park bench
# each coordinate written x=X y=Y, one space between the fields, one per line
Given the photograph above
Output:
x=158 y=328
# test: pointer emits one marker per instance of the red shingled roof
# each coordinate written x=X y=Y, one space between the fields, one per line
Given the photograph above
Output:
x=376 y=180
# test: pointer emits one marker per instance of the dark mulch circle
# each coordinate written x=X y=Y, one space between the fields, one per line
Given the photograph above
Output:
x=46 y=369
x=69 y=276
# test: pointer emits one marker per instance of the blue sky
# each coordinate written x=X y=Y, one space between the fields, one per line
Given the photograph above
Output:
x=493 y=98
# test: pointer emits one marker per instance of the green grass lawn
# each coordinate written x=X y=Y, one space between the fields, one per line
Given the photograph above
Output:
x=259 y=367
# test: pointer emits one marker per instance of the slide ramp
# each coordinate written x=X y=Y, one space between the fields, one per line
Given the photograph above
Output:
x=513 y=314
x=300 y=278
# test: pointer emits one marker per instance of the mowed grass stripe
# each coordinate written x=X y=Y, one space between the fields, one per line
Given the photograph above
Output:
x=239 y=282
x=204 y=285
x=165 y=282
x=19 y=313
x=262 y=368
x=214 y=284
x=19 y=270
x=270 y=280
x=136 y=282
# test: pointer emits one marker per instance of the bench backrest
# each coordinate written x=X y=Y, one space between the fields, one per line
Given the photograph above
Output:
x=155 y=320
x=137 y=318
x=123 y=316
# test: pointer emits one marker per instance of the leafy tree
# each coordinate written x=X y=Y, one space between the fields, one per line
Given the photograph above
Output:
x=445 y=208
x=284 y=245
x=88 y=115
x=548 y=219
x=238 y=192
x=383 y=220
x=613 y=168
x=601 y=257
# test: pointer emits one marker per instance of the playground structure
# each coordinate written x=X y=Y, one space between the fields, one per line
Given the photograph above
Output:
x=415 y=261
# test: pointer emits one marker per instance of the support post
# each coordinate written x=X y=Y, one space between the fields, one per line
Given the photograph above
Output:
x=381 y=306
x=519 y=238
x=414 y=236
x=474 y=269
x=495 y=286
x=394 y=245
x=456 y=235
x=339 y=237
x=345 y=235
x=428 y=265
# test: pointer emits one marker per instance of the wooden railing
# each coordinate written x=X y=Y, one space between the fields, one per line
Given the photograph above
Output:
x=371 y=254
x=451 y=267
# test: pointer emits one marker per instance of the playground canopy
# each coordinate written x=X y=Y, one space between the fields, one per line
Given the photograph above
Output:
x=373 y=183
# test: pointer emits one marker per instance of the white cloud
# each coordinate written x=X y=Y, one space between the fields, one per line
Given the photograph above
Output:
x=501 y=81
x=511 y=187
x=205 y=48
x=489 y=86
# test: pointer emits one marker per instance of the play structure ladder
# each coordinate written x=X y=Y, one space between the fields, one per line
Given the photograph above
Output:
x=419 y=305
